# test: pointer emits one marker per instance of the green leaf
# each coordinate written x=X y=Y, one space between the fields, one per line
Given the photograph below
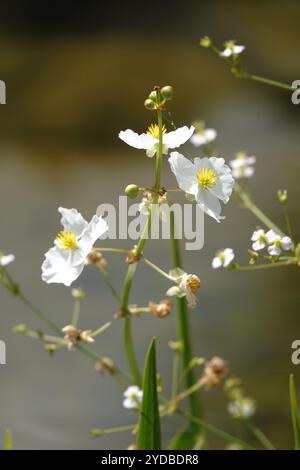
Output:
x=187 y=439
x=149 y=424
x=295 y=412
x=8 y=443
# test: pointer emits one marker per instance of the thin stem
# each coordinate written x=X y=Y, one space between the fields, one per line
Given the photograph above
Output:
x=249 y=204
x=288 y=221
x=188 y=392
x=175 y=374
x=260 y=436
x=215 y=431
x=111 y=250
x=265 y=266
x=157 y=269
x=101 y=329
x=76 y=312
x=101 y=432
x=183 y=326
x=268 y=81
x=39 y=314
x=109 y=284
x=136 y=375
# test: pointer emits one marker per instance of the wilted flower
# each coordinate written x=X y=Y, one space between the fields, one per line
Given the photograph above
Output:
x=149 y=140
x=74 y=335
x=6 y=259
x=187 y=286
x=223 y=258
x=231 y=48
x=243 y=408
x=162 y=309
x=207 y=179
x=262 y=239
x=201 y=135
x=214 y=371
x=242 y=165
x=279 y=244
x=132 y=397
x=66 y=260
x=147 y=201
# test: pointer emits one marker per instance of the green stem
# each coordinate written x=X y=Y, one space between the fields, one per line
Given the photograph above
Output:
x=39 y=314
x=76 y=312
x=109 y=284
x=265 y=266
x=183 y=327
x=159 y=153
x=132 y=362
x=260 y=436
x=157 y=269
x=288 y=221
x=248 y=204
x=101 y=329
x=268 y=81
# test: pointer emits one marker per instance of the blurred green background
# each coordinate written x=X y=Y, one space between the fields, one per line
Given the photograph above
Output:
x=76 y=74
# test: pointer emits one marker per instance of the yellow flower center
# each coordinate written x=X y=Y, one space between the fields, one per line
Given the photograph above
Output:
x=207 y=178
x=194 y=282
x=67 y=240
x=153 y=130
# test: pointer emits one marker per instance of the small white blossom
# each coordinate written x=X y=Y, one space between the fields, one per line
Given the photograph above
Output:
x=132 y=397
x=187 y=286
x=231 y=48
x=66 y=260
x=223 y=258
x=279 y=244
x=242 y=165
x=6 y=259
x=149 y=140
x=208 y=180
x=203 y=136
x=262 y=239
x=243 y=408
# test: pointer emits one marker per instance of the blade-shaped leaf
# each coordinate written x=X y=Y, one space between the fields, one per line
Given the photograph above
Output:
x=295 y=412
x=149 y=424
x=8 y=443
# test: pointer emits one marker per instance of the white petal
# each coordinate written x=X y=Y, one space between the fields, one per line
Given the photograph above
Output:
x=151 y=151
x=138 y=141
x=229 y=257
x=129 y=404
x=95 y=229
x=271 y=236
x=248 y=171
x=210 y=204
x=185 y=172
x=176 y=273
x=6 y=259
x=238 y=49
x=286 y=243
x=225 y=183
x=258 y=245
x=178 y=137
x=57 y=267
x=274 y=250
x=198 y=139
x=257 y=234
x=174 y=291
x=72 y=220
x=131 y=390
x=216 y=262
x=226 y=53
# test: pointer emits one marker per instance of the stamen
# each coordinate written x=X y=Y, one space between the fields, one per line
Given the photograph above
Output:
x=67 y=240
x=207 y=178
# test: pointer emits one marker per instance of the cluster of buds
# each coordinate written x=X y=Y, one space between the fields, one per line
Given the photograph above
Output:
x=214 y=372
x=158 y=97
x=162 y=309
x=239 y=406
x=97 y=259
x=74 y=335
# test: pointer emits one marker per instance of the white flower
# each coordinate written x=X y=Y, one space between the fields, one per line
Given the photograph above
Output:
x=223 y=258
x=132 y=397
x=149 y=140
x=207 y=179
x=232 y=49
x=6 y=259
x=242 y=165
x=187 y=286
x=66 y=260
x=203 y=137
x=243 y=408
x=262 y=239
x=279 y=244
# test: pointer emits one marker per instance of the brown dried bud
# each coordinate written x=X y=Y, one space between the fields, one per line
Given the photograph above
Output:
x=162 y=309
x=121 y=314
x=96 y=258
x=214 y=371
x=74 y=335
x=105 y=364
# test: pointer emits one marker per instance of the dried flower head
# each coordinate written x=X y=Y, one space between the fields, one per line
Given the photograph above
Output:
x=162 y=309
x=74 y=335
x=214 y=371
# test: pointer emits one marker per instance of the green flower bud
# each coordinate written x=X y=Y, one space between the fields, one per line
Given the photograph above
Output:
x=132 y=190
x=96 y=432
x=20 y=329
x=282 y=195
x=205 y=41
x=78 y=293
x=153 y=96
x=149 y=104
x=167 y=92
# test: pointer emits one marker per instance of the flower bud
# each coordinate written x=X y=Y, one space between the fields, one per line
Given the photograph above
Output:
x=175 y=345
x=132 y=190
x=282 y=195
x=153 y=96
x=20 y=329
x=214 y=371
x=96 y=432
x=78 y=293
x=149 y=104
x=167 y=92
x=205 y=41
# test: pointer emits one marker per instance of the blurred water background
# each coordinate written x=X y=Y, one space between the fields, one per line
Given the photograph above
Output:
x=75 y=76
